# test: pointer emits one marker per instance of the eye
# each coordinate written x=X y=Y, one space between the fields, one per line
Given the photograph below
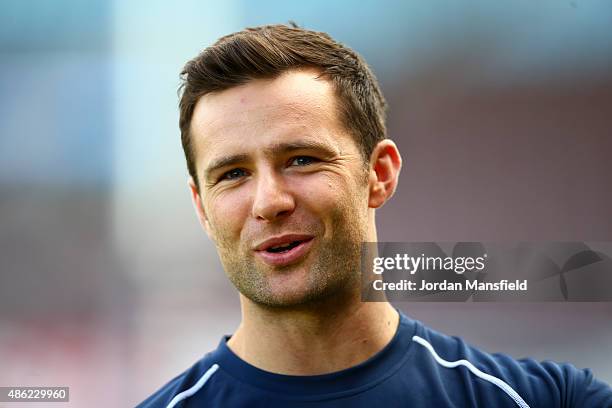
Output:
x=233 y=174
x=302 y=161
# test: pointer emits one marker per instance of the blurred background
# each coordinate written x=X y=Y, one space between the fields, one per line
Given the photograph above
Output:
x=503 y=112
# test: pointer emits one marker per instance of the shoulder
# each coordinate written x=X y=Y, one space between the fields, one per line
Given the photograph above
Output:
x=195 y=379
x=535 y=383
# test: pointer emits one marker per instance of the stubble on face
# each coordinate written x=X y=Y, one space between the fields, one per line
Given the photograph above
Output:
x=333 y=265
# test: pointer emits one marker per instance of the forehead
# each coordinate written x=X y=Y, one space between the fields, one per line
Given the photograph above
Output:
x=295 y=104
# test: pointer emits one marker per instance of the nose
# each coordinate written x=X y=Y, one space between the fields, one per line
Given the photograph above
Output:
x=272 y=199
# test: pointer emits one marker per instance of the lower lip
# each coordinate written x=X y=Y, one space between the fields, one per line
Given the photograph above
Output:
x=287 y=257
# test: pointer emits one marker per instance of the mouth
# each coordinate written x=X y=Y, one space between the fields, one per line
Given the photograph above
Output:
x=284 y=250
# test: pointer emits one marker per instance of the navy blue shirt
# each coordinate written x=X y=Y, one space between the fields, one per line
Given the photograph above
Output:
x=418 y=368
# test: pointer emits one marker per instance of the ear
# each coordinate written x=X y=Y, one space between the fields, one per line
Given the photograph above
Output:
x=385 y=166
x=196 y=199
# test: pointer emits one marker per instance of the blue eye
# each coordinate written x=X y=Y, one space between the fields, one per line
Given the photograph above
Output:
x=233 y=174
x=303 y=161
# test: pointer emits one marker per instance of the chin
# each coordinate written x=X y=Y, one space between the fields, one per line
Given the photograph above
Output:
x=290 y=296
x=300 y=296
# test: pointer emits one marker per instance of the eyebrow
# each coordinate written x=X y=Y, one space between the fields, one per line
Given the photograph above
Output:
x=278 y=148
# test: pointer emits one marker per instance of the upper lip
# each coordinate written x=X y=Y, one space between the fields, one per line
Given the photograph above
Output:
x=281 y=240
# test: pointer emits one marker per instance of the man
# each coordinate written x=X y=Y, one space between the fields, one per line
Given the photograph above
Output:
x=284 y=134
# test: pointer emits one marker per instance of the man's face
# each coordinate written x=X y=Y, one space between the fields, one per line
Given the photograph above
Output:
x=283 y=188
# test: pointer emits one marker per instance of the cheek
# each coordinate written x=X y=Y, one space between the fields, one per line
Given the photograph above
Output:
x=227 y=212
x=328 y=192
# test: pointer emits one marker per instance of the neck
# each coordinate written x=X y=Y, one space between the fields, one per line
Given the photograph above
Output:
x=328 y=337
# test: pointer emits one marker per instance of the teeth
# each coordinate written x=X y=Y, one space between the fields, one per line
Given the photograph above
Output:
x=282 y=246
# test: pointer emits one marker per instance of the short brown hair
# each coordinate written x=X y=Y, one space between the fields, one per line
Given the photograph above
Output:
x=267 y=52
